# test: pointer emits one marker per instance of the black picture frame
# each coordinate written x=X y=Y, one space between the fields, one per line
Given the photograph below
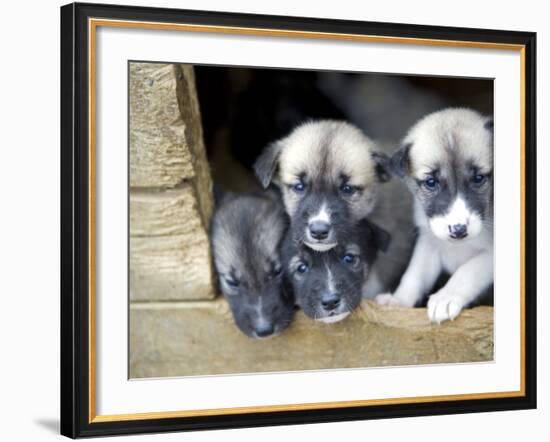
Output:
x=75 y=220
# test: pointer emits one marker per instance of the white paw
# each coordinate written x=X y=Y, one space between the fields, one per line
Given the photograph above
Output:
x=444 y=306
x=386 y=299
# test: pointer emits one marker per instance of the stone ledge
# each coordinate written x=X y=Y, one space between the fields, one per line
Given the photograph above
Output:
x=200 y=338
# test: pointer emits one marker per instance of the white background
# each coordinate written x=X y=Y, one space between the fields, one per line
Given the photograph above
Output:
x=29 y=221
x=115 y=395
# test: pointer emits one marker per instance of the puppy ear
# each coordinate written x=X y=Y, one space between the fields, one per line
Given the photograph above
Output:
x=399 y=162
x=382 y=165
x=380 y=237
x=266 y=164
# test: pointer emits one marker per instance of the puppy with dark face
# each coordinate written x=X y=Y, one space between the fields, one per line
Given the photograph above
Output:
x=247 y=232
x=447 y=163
x=329 y=173
x=331 y=176
x=328 y=285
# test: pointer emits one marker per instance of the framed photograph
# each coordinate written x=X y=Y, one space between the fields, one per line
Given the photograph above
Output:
x=278 y=220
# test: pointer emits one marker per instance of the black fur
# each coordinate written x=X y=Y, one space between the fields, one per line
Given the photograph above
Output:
x=311 y=287
x=399 y=162
x=383 y=169
x=341 y=222
x=378 y=237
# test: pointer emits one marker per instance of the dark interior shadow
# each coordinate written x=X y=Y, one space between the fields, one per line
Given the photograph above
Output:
x=51 y=425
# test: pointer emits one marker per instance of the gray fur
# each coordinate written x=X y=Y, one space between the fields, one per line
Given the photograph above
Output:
x=393 y=212
x=246 y=234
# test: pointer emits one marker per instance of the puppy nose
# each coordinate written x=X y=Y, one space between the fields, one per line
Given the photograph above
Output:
x=319 y=229
x=264 y=330
x=330 y=301
x=458 y=231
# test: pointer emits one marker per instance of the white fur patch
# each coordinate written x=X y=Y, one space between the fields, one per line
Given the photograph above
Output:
x=387 y=299
x=444 y=306
x=323 y=215
x=261 y=318
x=333 y=319
x=330 y=281
x=320 y=247
x=457 y=214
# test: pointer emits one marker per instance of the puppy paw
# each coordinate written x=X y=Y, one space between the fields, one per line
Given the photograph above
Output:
x=386 y=299
x=444 y=306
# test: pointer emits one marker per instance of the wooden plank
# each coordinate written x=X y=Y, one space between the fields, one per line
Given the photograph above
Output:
x=200 y=338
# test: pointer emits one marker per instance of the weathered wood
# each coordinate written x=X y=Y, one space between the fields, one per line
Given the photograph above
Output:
x=200 y=338
x=171 y=198
x=166 y=139
x=159 y=156
x=173 y=267
x=189 y=109
x=166 y=212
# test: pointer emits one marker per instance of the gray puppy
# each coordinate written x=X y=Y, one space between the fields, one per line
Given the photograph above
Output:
x=328 y=285
x=247 y=231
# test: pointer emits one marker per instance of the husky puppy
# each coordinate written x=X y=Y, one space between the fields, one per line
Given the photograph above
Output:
x=247 y=231
x=331 y=176
x=447 y=163
x=328 y=285
x=329 y=173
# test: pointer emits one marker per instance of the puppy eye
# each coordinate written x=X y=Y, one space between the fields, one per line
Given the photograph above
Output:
x=348 y=189
x=299 y=187
x=349 y=258
x=276 y=271
x=479 y=179
x=232 y=282
x=302 y=268
x=430 y=183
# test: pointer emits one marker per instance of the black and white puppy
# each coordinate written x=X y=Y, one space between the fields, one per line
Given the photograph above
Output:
x=328 y=285
x=247 y=232
x=447 y=163
x=328 y=172
x=331 y=176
